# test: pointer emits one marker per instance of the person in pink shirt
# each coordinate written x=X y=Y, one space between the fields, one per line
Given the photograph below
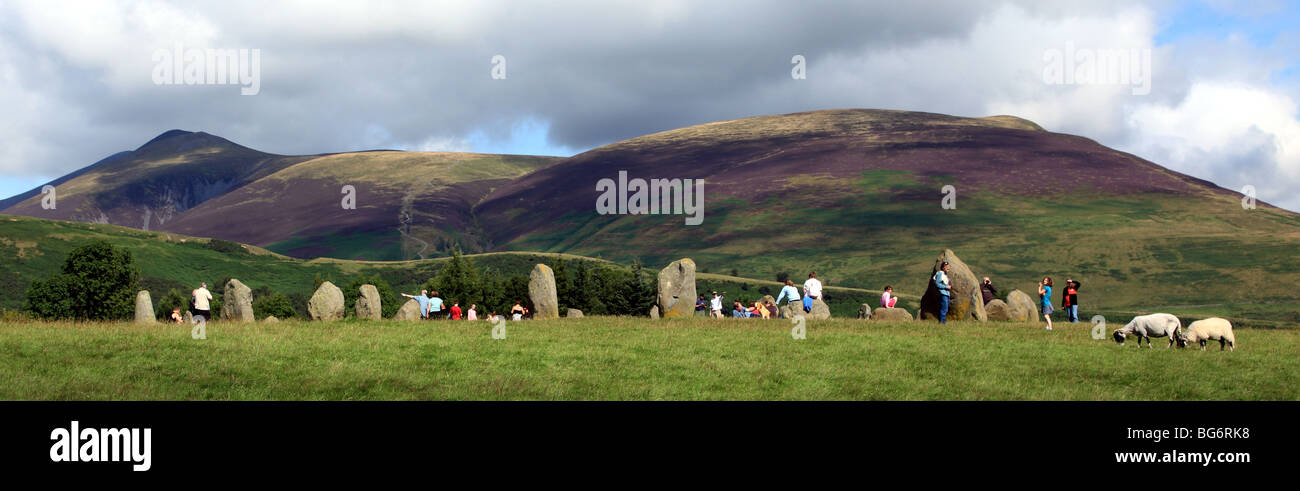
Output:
x=472 y=314
x=887 y=299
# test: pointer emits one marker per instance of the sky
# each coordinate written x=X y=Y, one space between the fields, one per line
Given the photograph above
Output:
x=80 y=81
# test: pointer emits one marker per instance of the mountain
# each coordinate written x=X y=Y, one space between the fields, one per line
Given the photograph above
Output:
x=855 y=195
x=408 y=204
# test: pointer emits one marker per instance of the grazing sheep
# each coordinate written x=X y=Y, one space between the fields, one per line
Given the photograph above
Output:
x=1150 y=326
x=1207 y=329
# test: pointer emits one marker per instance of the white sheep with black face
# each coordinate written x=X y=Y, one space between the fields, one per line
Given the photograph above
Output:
x=1150 y=326
x=1214 y=328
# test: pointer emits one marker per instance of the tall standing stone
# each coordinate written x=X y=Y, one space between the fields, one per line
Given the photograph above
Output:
x=966 y=301
x=677 y=289
x=143 y=308
x=327 y=303
x=541 y=290
x=237 y=302
x=368 y=305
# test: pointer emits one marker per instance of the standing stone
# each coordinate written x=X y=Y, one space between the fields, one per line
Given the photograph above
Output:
x=819 y=310
x=237 y=302
x=271 y=319
x=1022 y=306
x=677 y=289
x=966 y=301
x=410 y=311
x=864 y=312
x=143 y=308
x=541 y=290
x=654 y=311
x=189 y=317
x=327 y=303
x=998 y=310
x=368 y=305
x=573 y=314
x=891 y=314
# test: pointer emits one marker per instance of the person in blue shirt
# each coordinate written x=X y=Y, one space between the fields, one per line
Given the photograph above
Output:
x=423 y=300
x=435 y=307
x=944 y=286
x=1045 y=299
x=790 y=294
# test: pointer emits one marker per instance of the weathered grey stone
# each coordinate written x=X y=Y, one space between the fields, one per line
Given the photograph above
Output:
x=864 y=312
x=143 y=308
x=1022 y=306
x=327 y=303
x=410 y=311
x=998 y=310
x=237 y=302
x=573 y=314
x=541 y=290
x=966 y=301
x=891 y=314
x=189 y=316
x=819 y=310
x=677 y=289
x=270 y=318
x=654 y=312
x=368 y=305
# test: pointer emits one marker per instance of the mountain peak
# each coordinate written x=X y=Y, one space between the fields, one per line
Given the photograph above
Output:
x=180 y=141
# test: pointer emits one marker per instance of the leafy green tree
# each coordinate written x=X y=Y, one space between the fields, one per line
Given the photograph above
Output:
x=172 y=300
x=98 y=282
x=457 y=282
x=275 y=303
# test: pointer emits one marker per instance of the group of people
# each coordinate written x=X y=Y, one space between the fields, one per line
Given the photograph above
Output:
x=431 y=308
x=765 y=309
x=1069 y=299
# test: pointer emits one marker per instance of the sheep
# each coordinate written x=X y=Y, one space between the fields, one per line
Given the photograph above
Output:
x=1207 y=329
x=1150 y=326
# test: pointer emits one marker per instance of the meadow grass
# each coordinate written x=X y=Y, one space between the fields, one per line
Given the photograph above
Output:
x=608 y=358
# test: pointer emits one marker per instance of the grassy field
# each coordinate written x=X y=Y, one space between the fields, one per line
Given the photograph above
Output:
x=629 y=359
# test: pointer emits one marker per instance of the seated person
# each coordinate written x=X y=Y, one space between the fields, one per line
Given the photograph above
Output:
x=887 y=299
x=176 y=316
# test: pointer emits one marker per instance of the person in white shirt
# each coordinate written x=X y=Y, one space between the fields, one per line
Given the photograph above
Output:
x=812 y=290
x=715 y=305
x=202 y=302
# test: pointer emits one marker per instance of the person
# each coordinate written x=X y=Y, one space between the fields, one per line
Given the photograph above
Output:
x=528 y=314
x=1045 y=299
x=471 y=314
x=435 y=307
x=701 y=307
x=988 y=291
x=944 y=286
x=789 y=293
x=1070 y=300
x=423 y=300
x=517 y=312
x=772 y=311
x=202 y=299
x=812 y=290
x=738 y=310
x=887 y=299
x=493 y=317
x=455 y=311
x=176 y=316
x=715 y=305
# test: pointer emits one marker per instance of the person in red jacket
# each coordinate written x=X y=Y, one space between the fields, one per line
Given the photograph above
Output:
x=455 y=311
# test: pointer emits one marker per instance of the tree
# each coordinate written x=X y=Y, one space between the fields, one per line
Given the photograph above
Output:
x=457 y=282
x=98 y=282
x=275 y=303
x=174 y=299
